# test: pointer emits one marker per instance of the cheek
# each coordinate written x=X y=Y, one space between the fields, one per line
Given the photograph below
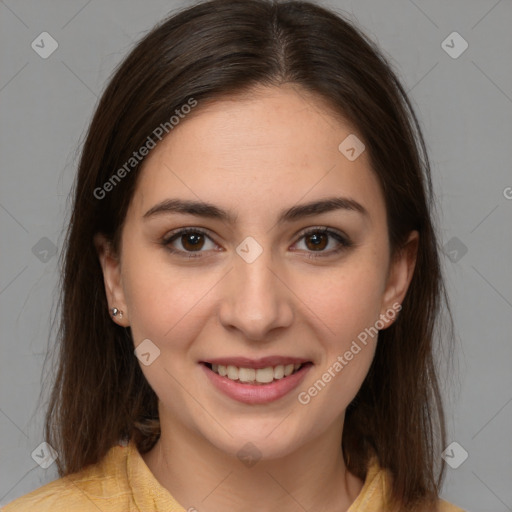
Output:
x=345 y=303
x=345 y=300
x=346 y=312
x=165 y=303
x=169 y=308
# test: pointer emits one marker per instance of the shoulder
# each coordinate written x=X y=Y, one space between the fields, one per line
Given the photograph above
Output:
x=92 y=488
x=372 y=497
x=444 y=506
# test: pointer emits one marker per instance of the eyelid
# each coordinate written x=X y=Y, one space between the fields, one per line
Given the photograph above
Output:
x=175 y=234
x=342 y=239
x=183 y=231
x=322 y=229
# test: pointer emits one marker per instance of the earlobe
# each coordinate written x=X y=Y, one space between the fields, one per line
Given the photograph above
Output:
x=400 y=275
x=111 y=269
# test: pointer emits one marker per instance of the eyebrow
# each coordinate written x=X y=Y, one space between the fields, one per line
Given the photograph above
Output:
x=207 y=210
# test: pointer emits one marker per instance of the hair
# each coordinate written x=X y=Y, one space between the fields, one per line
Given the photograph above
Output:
x=206 y=52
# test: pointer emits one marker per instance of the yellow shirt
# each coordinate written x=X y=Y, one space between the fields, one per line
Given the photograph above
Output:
x=122 y=482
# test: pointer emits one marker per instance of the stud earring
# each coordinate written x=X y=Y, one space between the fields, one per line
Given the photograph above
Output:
x=116 y=313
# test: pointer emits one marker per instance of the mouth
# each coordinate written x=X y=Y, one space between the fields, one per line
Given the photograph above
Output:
x=256 y=376
x=256 y=381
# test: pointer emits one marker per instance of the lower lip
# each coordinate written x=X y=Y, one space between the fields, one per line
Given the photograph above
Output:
x=257 y=393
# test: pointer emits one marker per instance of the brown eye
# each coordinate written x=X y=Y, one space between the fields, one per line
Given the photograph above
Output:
x=189 y=242
x=317 y=241
x=192 y=241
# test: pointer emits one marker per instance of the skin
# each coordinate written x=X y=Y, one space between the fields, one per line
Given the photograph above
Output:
x=255 y=155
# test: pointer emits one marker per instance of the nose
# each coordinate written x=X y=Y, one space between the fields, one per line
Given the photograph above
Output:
x=256 y=300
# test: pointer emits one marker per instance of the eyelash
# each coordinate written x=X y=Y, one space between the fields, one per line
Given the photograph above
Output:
x=344 y=242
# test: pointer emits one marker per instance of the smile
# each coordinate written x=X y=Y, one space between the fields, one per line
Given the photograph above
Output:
x=255 y=376
x=256 y=382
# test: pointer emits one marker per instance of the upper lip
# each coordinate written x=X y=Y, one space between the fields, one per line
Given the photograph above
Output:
x=264 y=362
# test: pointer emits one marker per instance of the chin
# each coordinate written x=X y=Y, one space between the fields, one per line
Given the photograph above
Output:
x=256 y=440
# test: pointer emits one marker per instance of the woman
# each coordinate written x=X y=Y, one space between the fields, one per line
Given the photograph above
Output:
x=252 y=281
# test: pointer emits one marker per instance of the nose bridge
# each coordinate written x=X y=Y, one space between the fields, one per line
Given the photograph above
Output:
x=255 y=301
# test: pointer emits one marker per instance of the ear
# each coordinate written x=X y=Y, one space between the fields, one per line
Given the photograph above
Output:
x=111 y=267
x=399 y=277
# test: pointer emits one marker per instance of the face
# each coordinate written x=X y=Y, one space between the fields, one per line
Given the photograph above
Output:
x=263 y=283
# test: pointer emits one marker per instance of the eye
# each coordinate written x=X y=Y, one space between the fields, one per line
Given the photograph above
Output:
x=316 y=240
x=191 y=240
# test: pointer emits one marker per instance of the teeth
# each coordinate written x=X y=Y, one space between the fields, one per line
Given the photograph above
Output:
x=279 y=372
x=265 y=375
x=288 y=369
x=246 y=374
x=232 y=372
x=261 y=375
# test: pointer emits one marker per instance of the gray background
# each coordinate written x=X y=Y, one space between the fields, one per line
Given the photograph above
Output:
x=465 y=108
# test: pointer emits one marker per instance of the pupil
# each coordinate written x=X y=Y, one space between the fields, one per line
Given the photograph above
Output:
x=191 y=241
x=318 y=241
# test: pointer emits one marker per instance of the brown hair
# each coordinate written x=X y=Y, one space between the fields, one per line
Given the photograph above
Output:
x=204 y=52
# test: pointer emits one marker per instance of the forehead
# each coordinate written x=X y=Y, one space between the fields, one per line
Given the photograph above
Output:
x=275 y=145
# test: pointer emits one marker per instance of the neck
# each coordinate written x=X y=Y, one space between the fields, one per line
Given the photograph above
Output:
x=202 y=477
